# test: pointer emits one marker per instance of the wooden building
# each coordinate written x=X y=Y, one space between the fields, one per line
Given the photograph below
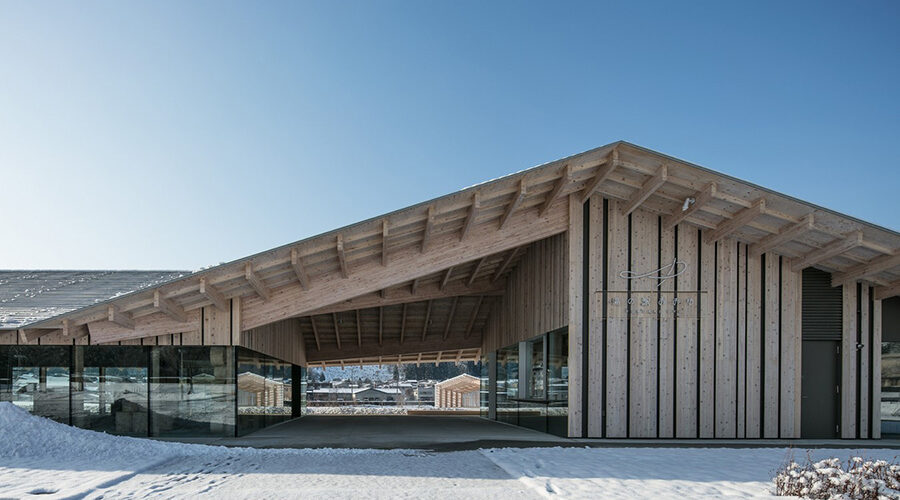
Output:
x=615 y=293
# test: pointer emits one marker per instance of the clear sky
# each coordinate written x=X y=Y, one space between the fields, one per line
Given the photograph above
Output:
x=175 y=135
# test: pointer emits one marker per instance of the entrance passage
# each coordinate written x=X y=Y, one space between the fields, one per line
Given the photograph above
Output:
x=820 y=407
x=440 y=433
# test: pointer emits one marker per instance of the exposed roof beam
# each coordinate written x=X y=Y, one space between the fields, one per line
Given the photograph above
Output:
x=564 y=180
x=71 y=330
x=475 y=271
x=258 y=286
x=212 y=295
x=506 y=262
x=299 y=271
x=120 y=318
x=474 y=315
x=342 y=257
x=419 y=359
x=384 y=241
x=32 y=334
x=450 y=317
x=514 y=204
x=429 y=228
x=789 y=233
x=739 y=220
x=425 y=292
x=380 y=326
x=403 y=324
x=459 y=355
x=833 y=249
x=168 y=307
x=414 y=287
x=886 y=292
x=473 y=213
x=867 y=269
x=603 y=172
x=315 y=330
x=647 y=189
x=701 y=198
x=427 y=319
x=358 y=329
x=337 y=330
x=446 y=277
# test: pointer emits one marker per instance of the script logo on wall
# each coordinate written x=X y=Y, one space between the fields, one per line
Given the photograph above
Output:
x=656 y=303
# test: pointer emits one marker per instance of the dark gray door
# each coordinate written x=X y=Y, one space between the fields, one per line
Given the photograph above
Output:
x=821 y=402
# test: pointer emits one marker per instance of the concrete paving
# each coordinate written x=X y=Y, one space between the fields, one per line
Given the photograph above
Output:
x=455 y=433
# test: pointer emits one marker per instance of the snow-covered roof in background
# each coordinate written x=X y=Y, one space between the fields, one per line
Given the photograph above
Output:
x=30 y=296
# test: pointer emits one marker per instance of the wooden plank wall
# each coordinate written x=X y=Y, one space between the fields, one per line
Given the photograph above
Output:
x=535 y=300
x=728 y=369
x=282 y=339
x=860 y=363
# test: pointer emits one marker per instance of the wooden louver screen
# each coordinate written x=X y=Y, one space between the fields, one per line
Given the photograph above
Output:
x=822 y=306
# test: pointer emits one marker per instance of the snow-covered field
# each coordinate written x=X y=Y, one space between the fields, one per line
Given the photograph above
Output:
x=40 y=458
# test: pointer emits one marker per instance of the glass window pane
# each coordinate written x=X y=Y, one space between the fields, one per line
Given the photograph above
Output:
x=109 y=389
x=890 y=389
x=192 y=391
x=36 y=379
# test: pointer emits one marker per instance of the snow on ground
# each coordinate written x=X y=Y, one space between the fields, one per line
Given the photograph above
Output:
x=41 y=458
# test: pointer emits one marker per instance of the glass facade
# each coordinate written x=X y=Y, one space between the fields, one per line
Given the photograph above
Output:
x=532 y=383
x=151 y=390
x=890 y=389
x=265 y=391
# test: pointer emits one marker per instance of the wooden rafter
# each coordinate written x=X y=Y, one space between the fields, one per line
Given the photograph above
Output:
x=168 y=307
x=119 y=317
x=603 y=172
x=647 y=189
x=213 y=295
x=833 y=249
x=342 y=257
x=384 y=242
x=564 y=180
x=446 y=277
x=358 y=329
x=72 y=330
x=701 y=199
x=517 y=200
x=256 y=282
x=475 y=271
x=427 y=319
x=474 y=316
x=505 y=264
x=459 y=355
x=429 y=291
x=429 y=229
x=403 y=324
x=299 y=270
x=450 y=317
x=886 y=292
x=739 y=220
x=470 y=218
x=337 y=330
x=789 y=233
x=419 y=359
x=414 y=287
x=380 y=326
x=315 y=330
x=866 y=269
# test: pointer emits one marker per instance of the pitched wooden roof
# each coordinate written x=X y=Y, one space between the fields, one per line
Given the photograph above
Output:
x=491 y=221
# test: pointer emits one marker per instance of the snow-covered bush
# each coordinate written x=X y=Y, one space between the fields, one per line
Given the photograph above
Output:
x=831 y=479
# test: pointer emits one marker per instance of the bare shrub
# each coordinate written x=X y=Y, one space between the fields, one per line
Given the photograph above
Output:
x=831 y=479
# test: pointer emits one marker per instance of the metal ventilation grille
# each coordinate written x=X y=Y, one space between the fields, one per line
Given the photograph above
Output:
x=822 y=306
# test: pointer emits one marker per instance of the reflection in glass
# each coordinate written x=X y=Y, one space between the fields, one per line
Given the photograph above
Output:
x=109 y=389
x=192 y=391
x=265 y=390
x=890 y=389
x=36 y=379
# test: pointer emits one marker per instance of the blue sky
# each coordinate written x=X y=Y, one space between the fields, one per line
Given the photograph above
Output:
x=176 y=135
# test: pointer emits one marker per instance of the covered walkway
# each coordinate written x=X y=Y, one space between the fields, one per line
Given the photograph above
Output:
x=438 y=432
